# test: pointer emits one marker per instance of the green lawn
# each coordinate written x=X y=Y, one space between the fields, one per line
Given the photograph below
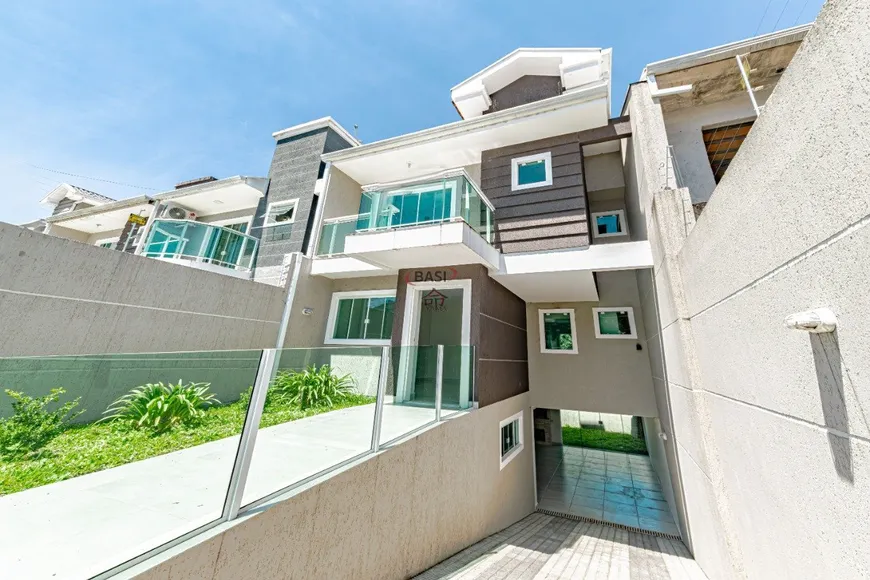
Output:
x=599 y=439
x=92 y=447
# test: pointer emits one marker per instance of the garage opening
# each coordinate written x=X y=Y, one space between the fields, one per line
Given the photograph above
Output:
x=598 y=466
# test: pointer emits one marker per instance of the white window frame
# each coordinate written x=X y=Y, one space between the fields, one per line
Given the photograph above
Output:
x=543 y=336
x=620 y=213
x=106 y=241
x=275 y=204
x=547 y=158
x=505 y=459
x=631 y=322
x=333 y=315
x=248 y=221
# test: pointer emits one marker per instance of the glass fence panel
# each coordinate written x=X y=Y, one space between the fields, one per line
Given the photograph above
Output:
x=458 y=379
x=334 y=234
x=319 y=413
x=410 y=400
x=123 y=452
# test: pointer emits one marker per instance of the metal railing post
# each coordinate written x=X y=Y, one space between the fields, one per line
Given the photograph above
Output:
x=439 y=381
x=379 y=403
x=245 y=452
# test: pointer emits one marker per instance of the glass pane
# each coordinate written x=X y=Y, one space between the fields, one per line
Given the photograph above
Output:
x=334 y=235
x=557 y=331
x=376 y=326
x=608 y=224
x=614 y=323
x=114 y=477
x=531 y=172
x=357 y=322
x=342 y=319
x=410 y=401
x=319 y=413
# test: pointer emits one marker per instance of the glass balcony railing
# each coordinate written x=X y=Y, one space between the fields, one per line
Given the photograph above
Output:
x=445 y=199
x=202 y=243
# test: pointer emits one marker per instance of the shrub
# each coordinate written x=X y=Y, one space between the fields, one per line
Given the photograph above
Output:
x=160 y=407
x=312 y=387
x=32 y=425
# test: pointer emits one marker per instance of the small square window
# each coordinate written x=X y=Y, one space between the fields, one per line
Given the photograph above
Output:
x=281 y=213
x=608 y=223
x=531 y=171
x=617 y=322
x=558 y=332
x=511 y=434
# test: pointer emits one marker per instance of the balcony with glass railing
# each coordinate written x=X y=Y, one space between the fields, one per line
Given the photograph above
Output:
x=221 y=249
x=452 y=197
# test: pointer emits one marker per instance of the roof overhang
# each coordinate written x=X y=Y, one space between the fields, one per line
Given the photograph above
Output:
x=712 y=75
x=104 y=218
x=65 y=190
x=222 y=196
x=576 y=68
x=461 y=143
x=321 y=123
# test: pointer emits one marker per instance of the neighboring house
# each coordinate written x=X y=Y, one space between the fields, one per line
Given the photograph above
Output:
x=710 y=99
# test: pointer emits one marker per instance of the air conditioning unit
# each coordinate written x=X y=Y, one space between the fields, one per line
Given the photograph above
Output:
x=174 y=211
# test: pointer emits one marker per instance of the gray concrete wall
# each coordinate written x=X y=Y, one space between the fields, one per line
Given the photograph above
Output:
x=524 y=90
x=392 y=515
x=603 y=171
x=607 y=376
x=684 y=133
x=770 y=424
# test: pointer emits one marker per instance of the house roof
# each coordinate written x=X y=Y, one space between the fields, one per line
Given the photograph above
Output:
x=321 y=123
x=74 y=192
x=576 y=68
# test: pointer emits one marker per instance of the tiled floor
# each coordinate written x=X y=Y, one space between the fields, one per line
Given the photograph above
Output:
x=605 y=485
x=546 y=547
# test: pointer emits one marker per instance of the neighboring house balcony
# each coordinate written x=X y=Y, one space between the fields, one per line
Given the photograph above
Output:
x=440 y=220
x=222 y=249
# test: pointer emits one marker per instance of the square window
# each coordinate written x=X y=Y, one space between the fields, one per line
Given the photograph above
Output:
x=281 y=213
x=558 y=332
x=617 y=322
x=531 y=171
x=361 y=318
x=608 y=223
x=511 y=435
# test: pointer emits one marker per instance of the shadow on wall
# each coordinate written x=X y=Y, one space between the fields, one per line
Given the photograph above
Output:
x=830 y=376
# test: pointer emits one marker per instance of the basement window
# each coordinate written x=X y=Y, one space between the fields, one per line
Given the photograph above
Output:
x=558 y=331
x=722 y=144
x=364 y=318
x=511 y=438
x=531 y=171
x=616 y=322
x=608 y=224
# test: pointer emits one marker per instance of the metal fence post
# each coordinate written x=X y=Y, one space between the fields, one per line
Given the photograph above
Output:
x=439 y=381
x=245 y=452
x=379 y=403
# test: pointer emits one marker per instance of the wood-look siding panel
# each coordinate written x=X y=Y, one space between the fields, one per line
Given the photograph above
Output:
x=539 y=218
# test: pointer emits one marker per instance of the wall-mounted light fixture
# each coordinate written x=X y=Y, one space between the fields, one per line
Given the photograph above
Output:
x=307 y=311
x=815 y=321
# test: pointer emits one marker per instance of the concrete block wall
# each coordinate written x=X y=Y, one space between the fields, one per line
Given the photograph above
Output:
x=392 y=515
x=770 y=424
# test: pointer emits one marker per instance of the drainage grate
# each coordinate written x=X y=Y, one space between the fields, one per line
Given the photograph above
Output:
x=611 y=524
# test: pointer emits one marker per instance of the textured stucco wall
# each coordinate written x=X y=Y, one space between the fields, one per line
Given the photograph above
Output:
x=771 y=424
x=603 y=171
x=684 y=133
x=607 y=376
x=64 y=297
x=393 y=515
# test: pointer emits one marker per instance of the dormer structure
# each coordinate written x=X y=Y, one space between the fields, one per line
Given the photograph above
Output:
x=531 y=74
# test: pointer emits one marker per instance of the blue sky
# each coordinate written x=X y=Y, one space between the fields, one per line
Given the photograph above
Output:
x=151 y=93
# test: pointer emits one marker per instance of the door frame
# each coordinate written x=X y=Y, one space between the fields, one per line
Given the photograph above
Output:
x=411 y=336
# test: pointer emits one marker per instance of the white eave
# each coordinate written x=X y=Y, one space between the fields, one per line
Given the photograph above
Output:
x=576 y=68
x=726 y=51
x=322 y=123
x=459 y=144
